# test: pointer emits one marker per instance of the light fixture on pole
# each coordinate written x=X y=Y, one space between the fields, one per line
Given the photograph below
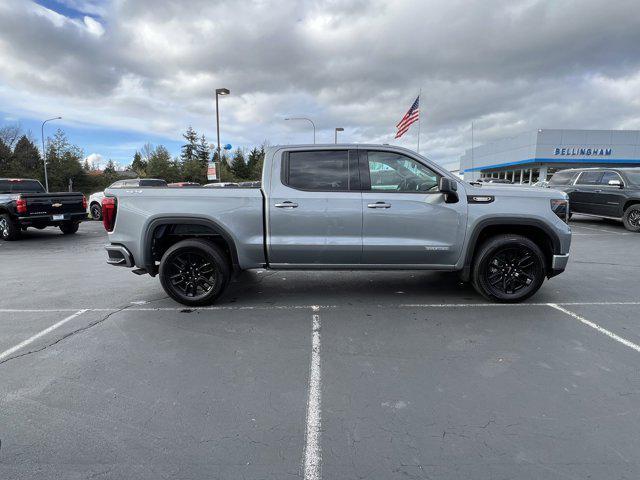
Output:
x=335 y=134
x=308 y=120
x=44 y=153
x=219 y=91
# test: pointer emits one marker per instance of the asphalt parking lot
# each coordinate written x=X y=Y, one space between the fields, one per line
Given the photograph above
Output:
x=349 y=375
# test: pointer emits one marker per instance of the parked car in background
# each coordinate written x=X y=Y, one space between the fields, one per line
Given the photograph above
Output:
x=254 y=184
x=318 y=208
x=24 y=203
x=541 y=184
x=183 y=184
x=221 y=185
x=497 y=180
x=95 y=199
x=602 y=192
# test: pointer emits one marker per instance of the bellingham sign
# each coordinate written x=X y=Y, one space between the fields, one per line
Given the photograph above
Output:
x=582 y=151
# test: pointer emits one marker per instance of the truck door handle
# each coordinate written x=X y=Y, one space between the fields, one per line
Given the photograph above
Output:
x=379 y=205
x=286 y=204
x=597 y=191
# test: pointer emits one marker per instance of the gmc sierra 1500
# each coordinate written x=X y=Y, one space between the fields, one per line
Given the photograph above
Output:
x=341 y=207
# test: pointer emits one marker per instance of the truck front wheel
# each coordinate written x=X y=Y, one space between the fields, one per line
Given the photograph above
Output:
x=9 y=229
x=508 y=268
x=194 y=272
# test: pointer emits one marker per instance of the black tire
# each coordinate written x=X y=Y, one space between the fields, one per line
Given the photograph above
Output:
x=194 y=272
x=631 y=218
x=96 y=211
x=69 y=228
x=9 y=228
x=508 y=268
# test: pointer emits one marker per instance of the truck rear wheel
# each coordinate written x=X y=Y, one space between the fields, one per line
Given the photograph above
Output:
x=194 y=272
x=508 y=268
x=9 y=229
x=69 y=228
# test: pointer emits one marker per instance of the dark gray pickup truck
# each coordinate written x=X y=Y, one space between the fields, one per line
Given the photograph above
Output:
x=341 y=207
x=24 y=203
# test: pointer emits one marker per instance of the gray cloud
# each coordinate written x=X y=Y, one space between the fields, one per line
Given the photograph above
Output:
x=509 y=65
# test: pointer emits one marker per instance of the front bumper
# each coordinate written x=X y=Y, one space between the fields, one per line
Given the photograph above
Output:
x=119 y=256
x=558 y=264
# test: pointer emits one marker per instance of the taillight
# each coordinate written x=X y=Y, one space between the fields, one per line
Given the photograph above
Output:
x=21 y=205
x=109 y=208
x=84 y=202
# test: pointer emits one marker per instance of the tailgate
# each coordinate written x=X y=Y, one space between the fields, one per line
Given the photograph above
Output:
x=53 y=203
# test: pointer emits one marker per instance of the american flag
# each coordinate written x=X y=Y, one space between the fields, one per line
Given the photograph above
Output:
x=411 y=116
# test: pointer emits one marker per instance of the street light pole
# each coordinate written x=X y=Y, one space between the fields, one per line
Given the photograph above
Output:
x=219 y=91
x=44 y=153
x=335 y=136
x=308 y=120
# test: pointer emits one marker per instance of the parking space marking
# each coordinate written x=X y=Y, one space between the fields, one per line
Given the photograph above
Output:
x=33 y=338
x=597 y=327
x=594 y=229
x=313 y=307
x=312 y=448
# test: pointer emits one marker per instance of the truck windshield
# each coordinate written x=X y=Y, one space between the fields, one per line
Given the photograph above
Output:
x=20 y=186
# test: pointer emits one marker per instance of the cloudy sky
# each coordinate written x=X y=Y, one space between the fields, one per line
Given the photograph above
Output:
x=124 y=72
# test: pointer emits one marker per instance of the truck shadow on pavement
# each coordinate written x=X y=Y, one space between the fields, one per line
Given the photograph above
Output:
x=345 y=287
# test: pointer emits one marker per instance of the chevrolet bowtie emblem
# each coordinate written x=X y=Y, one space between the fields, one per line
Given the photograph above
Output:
x=57 y=205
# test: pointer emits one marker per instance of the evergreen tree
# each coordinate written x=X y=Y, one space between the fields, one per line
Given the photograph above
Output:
x=26 y=155
x=255 y=162
x=239 y=167
x=5 y=158
x=139 y=165
x=189 y=149
x=162 y=166
x=204 y=152
x=64 y=164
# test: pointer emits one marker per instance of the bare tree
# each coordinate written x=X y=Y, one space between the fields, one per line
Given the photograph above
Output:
x=10 y=134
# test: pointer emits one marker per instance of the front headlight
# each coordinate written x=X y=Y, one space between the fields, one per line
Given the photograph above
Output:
x=561 y=209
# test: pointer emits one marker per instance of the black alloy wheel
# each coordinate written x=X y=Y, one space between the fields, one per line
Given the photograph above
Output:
x=509 y=268
x=194 y=272
x=96 y=211
x=631 y=218
x=9 y=230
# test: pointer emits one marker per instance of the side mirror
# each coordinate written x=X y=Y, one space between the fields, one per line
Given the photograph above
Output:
x=615 y=183
x=449 y=188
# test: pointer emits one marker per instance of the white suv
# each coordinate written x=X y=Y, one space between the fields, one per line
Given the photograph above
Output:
x=94 y=205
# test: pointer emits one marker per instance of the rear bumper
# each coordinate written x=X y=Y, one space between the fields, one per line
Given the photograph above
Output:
x=119 y=256
x=49 y=219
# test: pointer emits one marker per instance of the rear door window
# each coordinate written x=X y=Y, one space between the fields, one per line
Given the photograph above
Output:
x=589 y=178
x=562 y=178
x=325 y=171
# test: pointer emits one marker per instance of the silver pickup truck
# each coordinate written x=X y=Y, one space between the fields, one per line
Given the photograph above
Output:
x=341 y=207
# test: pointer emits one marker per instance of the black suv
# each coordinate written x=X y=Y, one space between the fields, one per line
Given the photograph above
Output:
x=602 y=192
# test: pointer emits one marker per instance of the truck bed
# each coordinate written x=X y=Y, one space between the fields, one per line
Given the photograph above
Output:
x=238 y=211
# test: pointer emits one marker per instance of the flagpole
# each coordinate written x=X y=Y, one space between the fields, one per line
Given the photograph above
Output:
x=419 y=119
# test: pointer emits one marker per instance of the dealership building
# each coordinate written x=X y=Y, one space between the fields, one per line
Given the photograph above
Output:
x=533 y=156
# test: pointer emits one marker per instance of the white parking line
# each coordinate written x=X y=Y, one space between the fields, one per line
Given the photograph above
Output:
x=29 y=340
x=312 y=307
x=597 y=327
x=312 y=449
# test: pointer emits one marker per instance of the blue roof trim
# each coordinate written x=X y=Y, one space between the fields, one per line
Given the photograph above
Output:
x=556 y=160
